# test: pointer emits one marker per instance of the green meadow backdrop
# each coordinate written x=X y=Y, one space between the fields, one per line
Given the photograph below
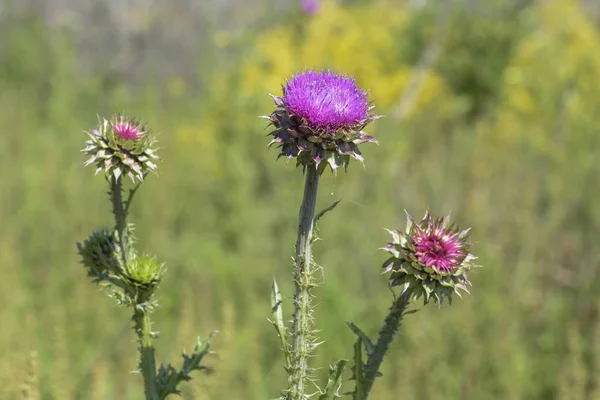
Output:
x=492 y=110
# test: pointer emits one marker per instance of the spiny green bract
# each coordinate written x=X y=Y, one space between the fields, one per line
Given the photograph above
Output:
x=100 y=254
x=143 y=271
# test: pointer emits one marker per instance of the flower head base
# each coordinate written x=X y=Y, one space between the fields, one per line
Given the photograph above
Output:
x=121 y=146
x=431 y=258
x=320 y=120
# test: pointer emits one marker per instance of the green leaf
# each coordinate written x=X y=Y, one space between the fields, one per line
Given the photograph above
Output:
x=359 y=390
x=168 y=378
x=369 y=347
x=323 y=212
x=334 y=381
x=276 y=302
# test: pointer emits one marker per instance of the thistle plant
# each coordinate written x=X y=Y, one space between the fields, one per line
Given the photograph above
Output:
x=319 y=121
x=430 y=260
x=123 y=147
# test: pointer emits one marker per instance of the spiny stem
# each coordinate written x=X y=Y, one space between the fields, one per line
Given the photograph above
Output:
x=116 y=196
x=302 y=341
x=141 y=319
x=141 y=316
x=386 y=335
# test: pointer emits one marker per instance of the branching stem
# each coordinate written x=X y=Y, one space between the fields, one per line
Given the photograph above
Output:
x=386 y=335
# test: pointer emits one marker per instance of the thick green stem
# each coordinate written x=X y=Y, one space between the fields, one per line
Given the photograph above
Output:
x=116 y=196
x=386 y=335
x=147 y=360
x=141 y=315
x=303 y=320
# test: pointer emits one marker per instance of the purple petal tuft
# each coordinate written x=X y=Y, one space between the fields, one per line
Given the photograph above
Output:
x=327 y=101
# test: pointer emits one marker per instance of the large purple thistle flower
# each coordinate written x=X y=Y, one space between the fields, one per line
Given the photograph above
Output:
x=319 y=119
x=327 y=102
x=431 y=258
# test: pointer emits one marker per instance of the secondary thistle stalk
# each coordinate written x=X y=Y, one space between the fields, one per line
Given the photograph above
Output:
x=431 y=260
x=303 y=319
x=386 y=335
x=141 y=316
x=121 y=147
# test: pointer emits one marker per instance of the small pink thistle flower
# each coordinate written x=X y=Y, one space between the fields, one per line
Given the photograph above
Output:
x=121 y=146
x=437 y=249
x=127 y=129
x=431 y=258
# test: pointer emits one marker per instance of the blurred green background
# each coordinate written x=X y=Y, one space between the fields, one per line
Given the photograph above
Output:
x=492 y=110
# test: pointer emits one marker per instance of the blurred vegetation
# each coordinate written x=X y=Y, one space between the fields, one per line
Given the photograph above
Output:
x=492 y=111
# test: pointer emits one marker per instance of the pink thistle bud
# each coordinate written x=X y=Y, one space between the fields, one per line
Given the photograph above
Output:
x=121 y=146
x=431 y=258
x=127 y=129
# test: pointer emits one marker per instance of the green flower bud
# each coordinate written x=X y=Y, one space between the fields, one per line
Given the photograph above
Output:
x=100 y=255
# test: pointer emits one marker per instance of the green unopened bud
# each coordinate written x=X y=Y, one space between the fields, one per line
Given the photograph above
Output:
x=99 y=254
x=144 y=272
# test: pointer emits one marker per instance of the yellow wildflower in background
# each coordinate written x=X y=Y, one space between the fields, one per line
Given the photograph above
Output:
x=360 y=40
x=551 y=82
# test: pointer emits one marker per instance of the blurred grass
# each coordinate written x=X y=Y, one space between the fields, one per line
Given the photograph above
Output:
x=503 y=131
